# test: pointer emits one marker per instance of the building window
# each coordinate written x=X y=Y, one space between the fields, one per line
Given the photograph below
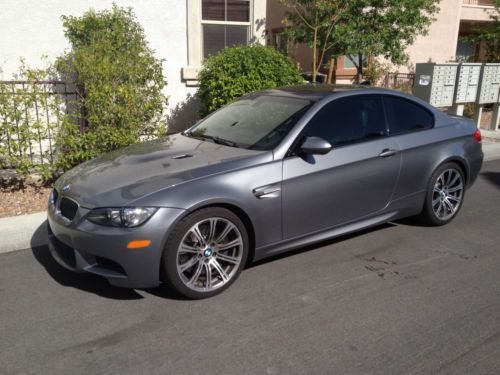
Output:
x=465 y=51
x=349 y=64
x=225 y=23
x=280 y=42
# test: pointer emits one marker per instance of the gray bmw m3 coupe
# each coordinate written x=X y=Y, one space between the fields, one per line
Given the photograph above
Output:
x=273 y=171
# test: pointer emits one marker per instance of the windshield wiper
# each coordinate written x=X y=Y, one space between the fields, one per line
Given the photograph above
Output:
x=225 y=142
x=215 y=139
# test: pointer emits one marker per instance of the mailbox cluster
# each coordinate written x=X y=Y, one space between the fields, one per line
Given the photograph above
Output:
x=435 y=83
x=490 y=84
x=453 y=85
x=468 y=83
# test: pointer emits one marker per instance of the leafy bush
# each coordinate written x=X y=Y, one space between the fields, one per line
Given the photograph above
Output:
x=119 y=82
x=375 y=71
x=237 y=71
x=29 y=114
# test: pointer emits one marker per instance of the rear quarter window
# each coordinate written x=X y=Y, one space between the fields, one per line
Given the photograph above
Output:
x=405 y=116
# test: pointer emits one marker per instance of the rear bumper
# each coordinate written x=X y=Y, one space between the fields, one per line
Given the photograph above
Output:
x=82 y=246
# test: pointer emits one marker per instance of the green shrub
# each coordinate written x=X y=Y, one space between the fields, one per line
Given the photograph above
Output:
x=119 y=81
x=237 y=71
x=29 y=114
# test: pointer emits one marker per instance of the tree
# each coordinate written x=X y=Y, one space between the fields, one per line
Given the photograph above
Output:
x=314 y=22
x=488 y=33
x=385 y=28
x=358 y=27
x=119 y=81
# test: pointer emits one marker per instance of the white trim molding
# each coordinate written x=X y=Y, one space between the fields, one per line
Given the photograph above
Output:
x=257 y=26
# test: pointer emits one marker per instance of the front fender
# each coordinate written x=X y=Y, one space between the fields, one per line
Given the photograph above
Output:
x=234 y=188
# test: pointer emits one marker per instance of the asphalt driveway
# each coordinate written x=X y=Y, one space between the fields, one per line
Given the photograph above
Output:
x=397 y=299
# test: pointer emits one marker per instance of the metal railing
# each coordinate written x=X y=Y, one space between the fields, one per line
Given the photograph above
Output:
x=30 y=117
x=399 y=81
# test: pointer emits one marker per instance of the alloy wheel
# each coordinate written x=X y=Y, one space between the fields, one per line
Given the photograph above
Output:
x=447 y=194
x=209 y=254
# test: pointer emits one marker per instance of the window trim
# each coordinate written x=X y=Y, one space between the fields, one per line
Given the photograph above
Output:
x=418 y=105
x=194 y=57
x=228 y=23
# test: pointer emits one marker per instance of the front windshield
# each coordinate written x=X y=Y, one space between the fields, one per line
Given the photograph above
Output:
x=258 y=123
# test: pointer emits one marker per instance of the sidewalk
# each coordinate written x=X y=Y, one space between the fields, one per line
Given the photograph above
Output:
x=26 y=231
x=23 y=232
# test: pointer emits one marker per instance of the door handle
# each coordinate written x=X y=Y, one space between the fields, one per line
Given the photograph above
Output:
x=387 y=153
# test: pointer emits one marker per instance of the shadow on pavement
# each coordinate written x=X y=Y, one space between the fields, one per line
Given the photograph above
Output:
x=86 y=282
x=413 y=222
x=97 y=285
x=164 y=292
x=328 y=242
x=492 y=177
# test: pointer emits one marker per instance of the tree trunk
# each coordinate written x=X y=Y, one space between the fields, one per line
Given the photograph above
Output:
x=359 y=68
x=332 y=70
x=314 y=55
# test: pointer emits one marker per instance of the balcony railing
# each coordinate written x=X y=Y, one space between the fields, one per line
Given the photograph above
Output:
x=483 y=3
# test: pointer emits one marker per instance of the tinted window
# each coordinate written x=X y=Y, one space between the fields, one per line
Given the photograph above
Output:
x=405 y=116
x=349 y=120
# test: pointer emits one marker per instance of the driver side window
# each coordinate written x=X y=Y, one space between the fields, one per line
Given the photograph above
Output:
x=349 y=120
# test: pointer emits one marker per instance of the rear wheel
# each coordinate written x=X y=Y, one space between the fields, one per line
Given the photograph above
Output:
x=205 y=253
x=445 y=195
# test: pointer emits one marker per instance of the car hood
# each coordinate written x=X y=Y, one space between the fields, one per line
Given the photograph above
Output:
x=122 y=176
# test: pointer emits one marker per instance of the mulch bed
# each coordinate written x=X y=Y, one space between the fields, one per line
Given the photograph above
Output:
x=19 y=200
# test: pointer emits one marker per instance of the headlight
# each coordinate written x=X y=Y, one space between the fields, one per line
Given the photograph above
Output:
x=53 y=199
x=121 y=217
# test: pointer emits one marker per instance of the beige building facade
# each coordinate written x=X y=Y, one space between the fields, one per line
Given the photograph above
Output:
x=441 y=44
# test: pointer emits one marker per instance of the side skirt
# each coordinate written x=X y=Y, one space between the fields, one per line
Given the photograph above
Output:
x=294 y=243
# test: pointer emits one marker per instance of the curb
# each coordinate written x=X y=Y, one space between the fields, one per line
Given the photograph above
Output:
x=491 y=151
x=23 y=232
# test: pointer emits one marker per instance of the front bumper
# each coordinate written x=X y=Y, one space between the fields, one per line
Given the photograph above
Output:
x=82 y=246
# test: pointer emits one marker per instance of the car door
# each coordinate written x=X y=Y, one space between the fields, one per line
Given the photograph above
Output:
x=355 y=179
x=410 y=125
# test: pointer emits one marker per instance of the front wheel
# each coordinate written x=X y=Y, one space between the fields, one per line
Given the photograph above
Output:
x=445 y=195
x=205 y=253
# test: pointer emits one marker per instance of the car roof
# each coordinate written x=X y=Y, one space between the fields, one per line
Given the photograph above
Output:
x=316 y=92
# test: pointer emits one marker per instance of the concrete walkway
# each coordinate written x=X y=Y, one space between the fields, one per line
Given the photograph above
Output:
x=27 y=231
x=23 y=232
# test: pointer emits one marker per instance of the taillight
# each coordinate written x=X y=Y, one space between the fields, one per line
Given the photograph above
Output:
x=477 y=136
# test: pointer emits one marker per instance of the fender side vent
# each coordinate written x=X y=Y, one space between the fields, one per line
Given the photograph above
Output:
x=182 y=156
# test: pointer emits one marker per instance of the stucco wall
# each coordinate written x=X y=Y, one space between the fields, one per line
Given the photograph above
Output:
x=275 y=15
x=441 y=42
x=476 y=13
x=32 y=28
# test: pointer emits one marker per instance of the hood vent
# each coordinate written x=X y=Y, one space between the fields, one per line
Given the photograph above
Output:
x=182 y=156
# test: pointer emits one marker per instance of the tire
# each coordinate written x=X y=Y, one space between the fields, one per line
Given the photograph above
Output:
x=205 y=253
x=445 y=195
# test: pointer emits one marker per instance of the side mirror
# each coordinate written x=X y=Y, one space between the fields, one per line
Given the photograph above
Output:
x=315 y=146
